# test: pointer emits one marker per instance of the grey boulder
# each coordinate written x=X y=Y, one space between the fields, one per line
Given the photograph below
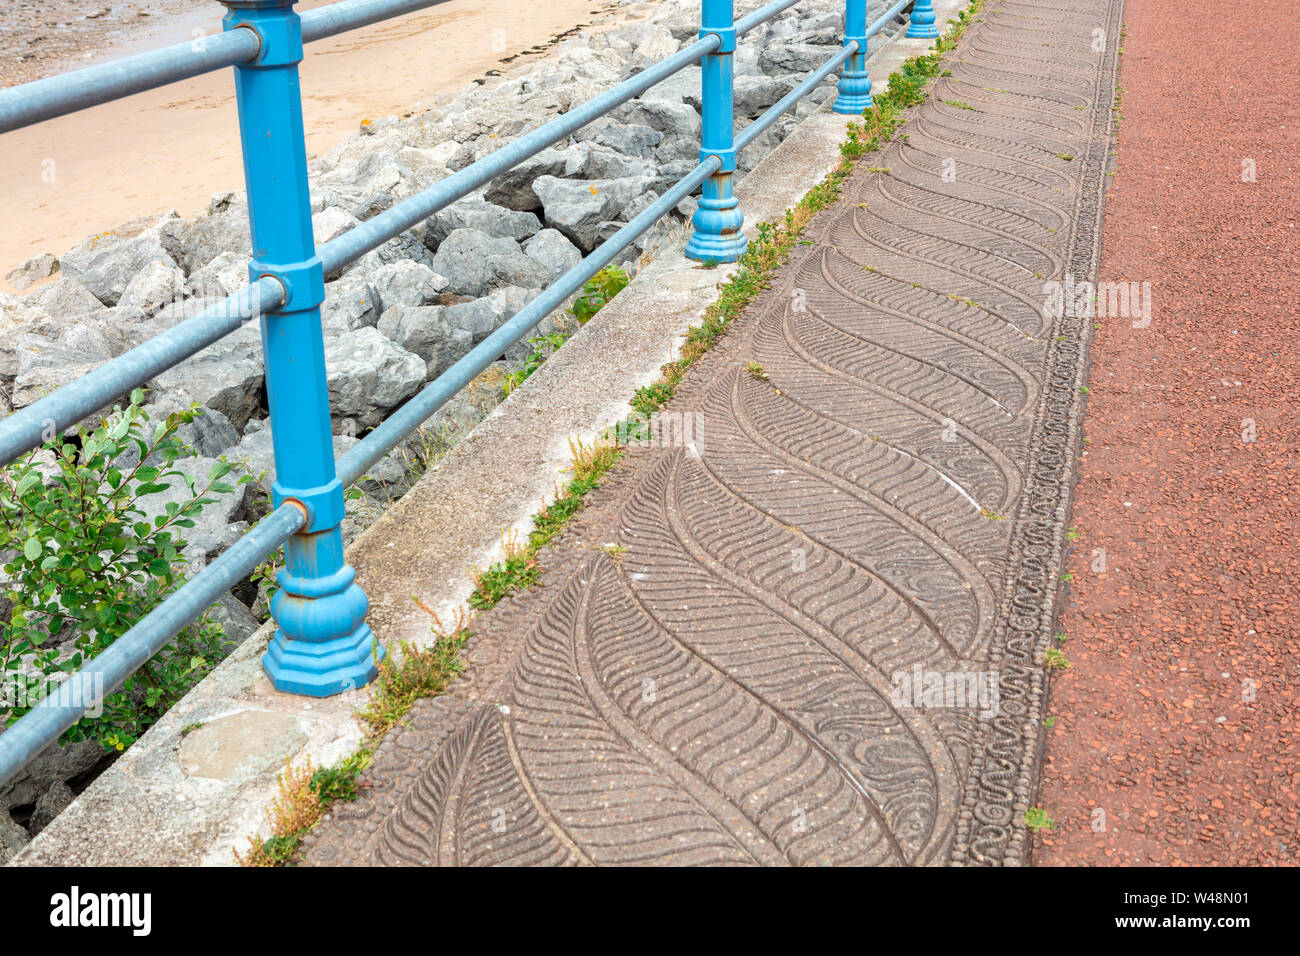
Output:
x=224 y=229
x=209 y=434
x=405 y=283
x=227 y=376
x=51 y=803
x=654 y=46
x=782 y=59
x=368 y=376
x=594 y=161
x=350 y=303
x=63 y=298
x=225 y=510
x=485 y=217
x=629 y=139
x=12 y=838
x=331 y=223
x=578 y=207
x=33 y=270
x=156 y=285
x=514 y=188
x=554 y=251
x=754 y=94
x=106 y=264
x=481 y=317
x=237 y=623
x=53 y=764
x=677 y=122
x=44 y=365
x=425 y=331
x=476 y=264
x=223 y=276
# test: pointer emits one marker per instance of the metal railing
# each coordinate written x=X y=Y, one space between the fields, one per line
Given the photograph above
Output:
x=322 y=644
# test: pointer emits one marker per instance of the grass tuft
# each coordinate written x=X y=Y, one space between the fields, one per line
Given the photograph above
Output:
x=291 y=815
x=1055 y=658
x=410 y=673
x=306 y=794
x=1037 y=820
x=517 y=571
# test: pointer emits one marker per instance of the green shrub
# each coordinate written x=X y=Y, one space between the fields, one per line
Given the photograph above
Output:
x=544 y=347
x=87 y=559
x=597 y=291
x=595 y=295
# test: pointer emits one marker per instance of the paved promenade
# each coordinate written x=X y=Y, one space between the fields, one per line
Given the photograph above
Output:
x=1176 y=739
x=886 y=500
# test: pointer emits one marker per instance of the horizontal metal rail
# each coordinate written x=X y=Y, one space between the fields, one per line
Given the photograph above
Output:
x=43 y=724
x=787 y=102
x=32 y=426
x=374 y=232
x=887 y=17
x=66 y=93
x=356 y=461
x=348 y=15
x=762 y=15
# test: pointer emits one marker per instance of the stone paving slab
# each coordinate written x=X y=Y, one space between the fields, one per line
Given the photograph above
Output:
x=888 y=502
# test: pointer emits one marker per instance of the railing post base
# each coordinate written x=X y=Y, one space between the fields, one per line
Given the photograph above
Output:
x=855 y=85
x=323 y=645
x=717 y=221
x=853 y=104
x=854 y=96
x=921 y=26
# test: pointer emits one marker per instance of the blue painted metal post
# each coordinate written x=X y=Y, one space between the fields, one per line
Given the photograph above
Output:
x=855 y=84
x=717 y=236
x=323 y=645
x=921 y=26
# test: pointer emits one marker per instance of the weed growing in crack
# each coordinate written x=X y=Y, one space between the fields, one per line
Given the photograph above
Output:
x=1037 y=820
x=1055 y=658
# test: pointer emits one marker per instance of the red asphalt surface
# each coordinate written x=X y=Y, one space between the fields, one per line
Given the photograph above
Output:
x=1174 y=738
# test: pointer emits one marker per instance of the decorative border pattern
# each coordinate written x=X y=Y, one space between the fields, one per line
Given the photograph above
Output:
x=1005 y=770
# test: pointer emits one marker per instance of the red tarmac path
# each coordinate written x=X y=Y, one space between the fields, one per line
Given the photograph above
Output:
x=1176 y=726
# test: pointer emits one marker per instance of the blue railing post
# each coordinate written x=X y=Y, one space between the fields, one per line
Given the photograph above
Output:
x=921 y=26
x=717 y=236
x=323 y=644
x=855 y=85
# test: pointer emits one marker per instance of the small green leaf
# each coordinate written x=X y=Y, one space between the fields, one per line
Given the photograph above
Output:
x=32 y=549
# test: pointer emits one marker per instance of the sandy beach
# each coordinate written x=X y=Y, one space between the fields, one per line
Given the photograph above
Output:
x=171 y=148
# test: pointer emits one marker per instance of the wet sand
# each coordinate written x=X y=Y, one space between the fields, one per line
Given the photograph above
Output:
x=171 y=148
